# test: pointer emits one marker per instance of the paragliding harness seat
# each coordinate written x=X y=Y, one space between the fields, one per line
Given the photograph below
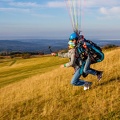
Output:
x=82 y=51
x=87 y=47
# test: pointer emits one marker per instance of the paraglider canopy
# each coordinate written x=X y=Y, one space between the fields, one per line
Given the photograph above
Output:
x=74 y=9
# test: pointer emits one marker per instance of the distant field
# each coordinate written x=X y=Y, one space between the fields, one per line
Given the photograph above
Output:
x=38 y=89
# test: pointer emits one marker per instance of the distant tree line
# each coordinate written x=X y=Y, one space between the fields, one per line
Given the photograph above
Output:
x=24 y=55
x=109 y=46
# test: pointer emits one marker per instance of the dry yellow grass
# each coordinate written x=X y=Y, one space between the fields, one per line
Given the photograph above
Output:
x=50 y=96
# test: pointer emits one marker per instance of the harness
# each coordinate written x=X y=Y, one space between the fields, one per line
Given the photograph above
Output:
x=82 y=51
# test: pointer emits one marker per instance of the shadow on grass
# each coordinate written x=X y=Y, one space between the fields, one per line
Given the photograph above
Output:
x=12 y=63
x=108 y=82
x=111 y=80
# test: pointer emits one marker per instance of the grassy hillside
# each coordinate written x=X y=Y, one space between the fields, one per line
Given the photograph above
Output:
x=13 y=70
x=44 y=91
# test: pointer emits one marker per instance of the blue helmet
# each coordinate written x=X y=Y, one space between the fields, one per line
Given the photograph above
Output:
x=73 y=36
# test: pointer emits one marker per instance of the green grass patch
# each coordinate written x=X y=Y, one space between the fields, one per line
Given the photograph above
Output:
x=13 y=70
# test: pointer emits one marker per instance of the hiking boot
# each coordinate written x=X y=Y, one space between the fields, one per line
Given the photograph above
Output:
x=87 y=85
x=84 y=74
x=99 y=75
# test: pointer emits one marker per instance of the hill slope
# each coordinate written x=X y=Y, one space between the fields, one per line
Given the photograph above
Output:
x=50 y=96
x=13 y=70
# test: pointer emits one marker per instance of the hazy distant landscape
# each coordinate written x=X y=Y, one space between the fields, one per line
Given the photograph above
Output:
x=32 y=45
x=42 y=45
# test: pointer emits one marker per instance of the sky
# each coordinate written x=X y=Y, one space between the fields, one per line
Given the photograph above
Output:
x=49 y=19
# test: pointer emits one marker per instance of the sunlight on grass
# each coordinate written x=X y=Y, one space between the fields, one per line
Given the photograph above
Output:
x=46 y=93
x=24 y=68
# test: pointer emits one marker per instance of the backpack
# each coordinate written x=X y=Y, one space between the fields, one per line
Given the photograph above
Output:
x=92 y=49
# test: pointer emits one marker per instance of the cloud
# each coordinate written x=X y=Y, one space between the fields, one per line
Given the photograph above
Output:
x=101 y=3
x=30 y=7
x=102 y=9
x=14 y=10
x=24 y=4
x=55 y=4
x=58 y=4
x=104 y=6
x=110 y=11
x=52 y=4
x=6 y=0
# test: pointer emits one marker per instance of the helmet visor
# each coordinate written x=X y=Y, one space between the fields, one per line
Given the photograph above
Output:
x=71 y=44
